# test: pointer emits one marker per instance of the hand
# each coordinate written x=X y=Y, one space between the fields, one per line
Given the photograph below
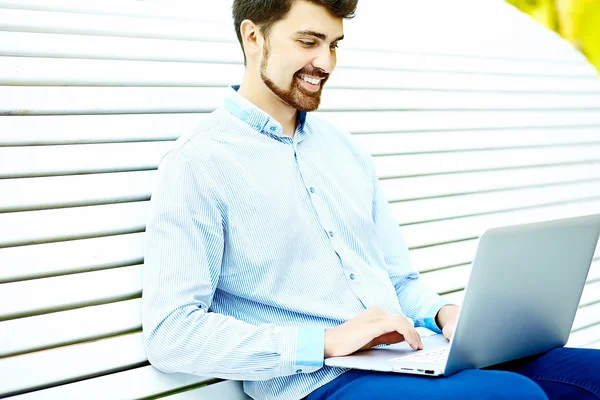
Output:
x=372 y=327
x=446 y=320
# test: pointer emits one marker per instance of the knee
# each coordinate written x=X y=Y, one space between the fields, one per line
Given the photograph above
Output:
x=501 y=385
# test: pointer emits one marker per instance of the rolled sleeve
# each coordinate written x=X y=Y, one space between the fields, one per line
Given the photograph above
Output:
x=428 y=320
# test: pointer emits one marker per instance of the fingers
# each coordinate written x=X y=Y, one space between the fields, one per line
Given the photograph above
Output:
x=406 y=329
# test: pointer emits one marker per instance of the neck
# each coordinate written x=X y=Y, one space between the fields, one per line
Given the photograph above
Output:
x=261 y=96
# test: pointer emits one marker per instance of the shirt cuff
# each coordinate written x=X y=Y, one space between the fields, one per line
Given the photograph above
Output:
x=429 y=317
x=310 y=351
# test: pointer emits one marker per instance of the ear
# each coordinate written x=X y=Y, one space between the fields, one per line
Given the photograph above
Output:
x=251 y=37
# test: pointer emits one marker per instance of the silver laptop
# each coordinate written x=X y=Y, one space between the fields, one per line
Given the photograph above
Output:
x=525 y=285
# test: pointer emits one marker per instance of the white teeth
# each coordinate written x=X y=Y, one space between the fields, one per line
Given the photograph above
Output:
x=314 y=81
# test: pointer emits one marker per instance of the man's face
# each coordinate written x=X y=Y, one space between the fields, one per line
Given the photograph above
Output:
x=299 y=54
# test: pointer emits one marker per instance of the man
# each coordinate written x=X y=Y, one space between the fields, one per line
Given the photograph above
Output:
x=274 y=221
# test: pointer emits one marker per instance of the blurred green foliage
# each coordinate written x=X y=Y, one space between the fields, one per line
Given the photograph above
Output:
x=578 y=21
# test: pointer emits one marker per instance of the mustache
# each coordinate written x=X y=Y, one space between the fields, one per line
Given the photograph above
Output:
x=318 y=72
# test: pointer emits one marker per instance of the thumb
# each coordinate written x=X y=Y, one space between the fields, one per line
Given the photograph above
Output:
x=448 y=330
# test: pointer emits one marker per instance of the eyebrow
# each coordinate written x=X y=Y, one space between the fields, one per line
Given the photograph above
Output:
x=318 y=35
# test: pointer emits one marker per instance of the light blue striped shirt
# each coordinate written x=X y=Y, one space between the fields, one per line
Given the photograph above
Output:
x=257 y=242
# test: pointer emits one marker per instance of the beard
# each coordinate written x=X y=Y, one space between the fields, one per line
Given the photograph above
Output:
x=295 y=96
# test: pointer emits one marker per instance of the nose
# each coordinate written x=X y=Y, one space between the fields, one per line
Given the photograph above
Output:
x=325 y=59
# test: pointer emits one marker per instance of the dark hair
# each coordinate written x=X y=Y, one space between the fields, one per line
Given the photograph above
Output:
x=265 y=13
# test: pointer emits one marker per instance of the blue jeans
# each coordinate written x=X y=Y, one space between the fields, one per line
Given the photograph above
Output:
x=563 y=373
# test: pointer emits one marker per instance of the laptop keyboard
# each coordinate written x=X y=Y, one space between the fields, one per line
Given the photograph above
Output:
x=430 y=357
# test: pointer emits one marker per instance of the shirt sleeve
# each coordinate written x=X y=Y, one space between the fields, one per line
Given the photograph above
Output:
x=419 y=303
x=185 y=238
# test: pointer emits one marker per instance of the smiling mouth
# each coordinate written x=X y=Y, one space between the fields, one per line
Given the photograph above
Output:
x=311 y=83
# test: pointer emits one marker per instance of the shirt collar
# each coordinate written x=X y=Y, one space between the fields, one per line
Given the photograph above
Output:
x=256 y=118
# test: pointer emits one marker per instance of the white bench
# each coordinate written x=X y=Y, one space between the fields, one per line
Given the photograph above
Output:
x=475 y=116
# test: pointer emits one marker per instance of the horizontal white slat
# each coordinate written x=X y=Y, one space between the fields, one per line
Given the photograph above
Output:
x=50 y=100
x=50 y=259
x=413 y=142
x=75 y=190
x=115 y=157
x=476 y=182
x=395 y=121
x=114 y=25
x=124 y=48
x=595 y=345
x=444 y=255
x=138 y=383
x=591 y=293
x=587 y=316
x=447 y=280
x=174 y=10
x=22 y=335
x=69 y=291
x=459 y=38
x=72 y=159
x=78 y=46
x=66 y=129
x=421 y=164
x=227 y=390
x=70 y=363
x=30 y=227
x=410 y=212
x=25 y=130
x=585 y=336
x=430 y=233
x=89 y=72
x=81 y=222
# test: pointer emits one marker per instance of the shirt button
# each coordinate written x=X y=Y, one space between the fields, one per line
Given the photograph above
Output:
x=352 y=276
x=298 y=371
x=272 y=128
x=330 y=234
x=312 y=189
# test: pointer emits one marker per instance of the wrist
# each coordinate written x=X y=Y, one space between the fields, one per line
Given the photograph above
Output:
x=446 y=314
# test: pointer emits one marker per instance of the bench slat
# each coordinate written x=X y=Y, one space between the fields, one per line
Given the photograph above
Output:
x=21 y=194
x=29 y=227
x=69 y=291
x=113 y=25
x=51 y=259
x=410 y=212
x=100 y=287
x=591 y=293
x=77 y=159
x=390 y=121
x=114 y=219
x=131 y=9
x=421 y=164
x=138 y=383
x=429 y=233
x=66 y=364
x=587 y=315
x=24 y=130
x=31 y=44
x=458 y=40
x=41 y=71
x=75 y=190
x=84 y=324
x=584 y=337
x=418 y=142
x=230 y=390
x=51 y=100
x=23 y=161
x=421 y=187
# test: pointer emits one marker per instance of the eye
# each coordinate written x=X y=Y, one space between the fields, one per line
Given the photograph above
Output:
x=333 y=46
x=307 y=43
